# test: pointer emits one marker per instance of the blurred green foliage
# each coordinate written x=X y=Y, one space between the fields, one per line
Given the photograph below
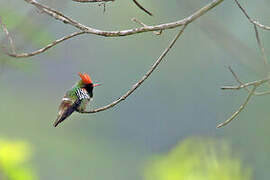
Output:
x=181 y=99
x=13 y=161
x=197 y=159
x=22 y=30
x=35 y=33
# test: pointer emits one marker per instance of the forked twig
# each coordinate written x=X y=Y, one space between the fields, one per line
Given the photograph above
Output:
x=60 y=16
x=265 y=59
x=246 y=84
x=241 y=83
x=148 y=73
x=240 y=108
x=41 y=50
x=255 y=24
x=157 y=29
x=144 y=25
x=250 y=19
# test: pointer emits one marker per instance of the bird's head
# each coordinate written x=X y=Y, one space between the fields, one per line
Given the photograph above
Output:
x=87 y=81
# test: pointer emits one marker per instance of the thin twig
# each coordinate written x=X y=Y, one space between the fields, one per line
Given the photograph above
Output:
x=255 y=24
x=261 y=93
x=236 y=78
x=92 y=1
x=142 y=8
x=251 y=92
x=144 y=25
x=138 y=84
x=240 y=108
x=250 y=19
x=8 y=36
x=264 y=58
x=261 y=48
x=253 y=83
x=245 y=87
x=41 y=50
x=60 y=16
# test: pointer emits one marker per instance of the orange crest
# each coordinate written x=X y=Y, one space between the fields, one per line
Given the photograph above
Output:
x=85 y=78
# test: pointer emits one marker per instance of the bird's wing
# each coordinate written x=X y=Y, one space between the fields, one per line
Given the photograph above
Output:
x=66 y=108
x=69 y=105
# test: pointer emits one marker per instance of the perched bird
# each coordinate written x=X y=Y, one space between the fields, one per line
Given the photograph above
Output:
x=76 y=98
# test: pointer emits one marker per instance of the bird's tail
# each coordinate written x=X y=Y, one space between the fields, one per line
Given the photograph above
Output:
x=62 y=117
x=64 y=114
x=58 y=120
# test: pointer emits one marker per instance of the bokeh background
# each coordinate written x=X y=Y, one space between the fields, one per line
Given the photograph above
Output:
x=166 y=130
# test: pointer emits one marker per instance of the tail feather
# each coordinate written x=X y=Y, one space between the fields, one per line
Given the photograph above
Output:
x=63 y=116
x=58 y=121
x=66 y=113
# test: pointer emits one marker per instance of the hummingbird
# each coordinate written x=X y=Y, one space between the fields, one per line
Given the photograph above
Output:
x=76 y=98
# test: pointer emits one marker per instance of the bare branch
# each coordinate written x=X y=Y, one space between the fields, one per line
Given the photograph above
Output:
x=261 y=93
x=235 y=76
x=142 y=8
x=246 y=88
x=240 y=108
x=253 y=83
x=138 y=84
x=243 y=85
x=54 y=43
x=255 y=24
x=251 y=92
x=84 y=29
x=144 y=25
x=250 y=19
x=60 y=16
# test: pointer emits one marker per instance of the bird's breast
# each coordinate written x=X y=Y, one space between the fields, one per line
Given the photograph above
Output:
x=82 y=94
